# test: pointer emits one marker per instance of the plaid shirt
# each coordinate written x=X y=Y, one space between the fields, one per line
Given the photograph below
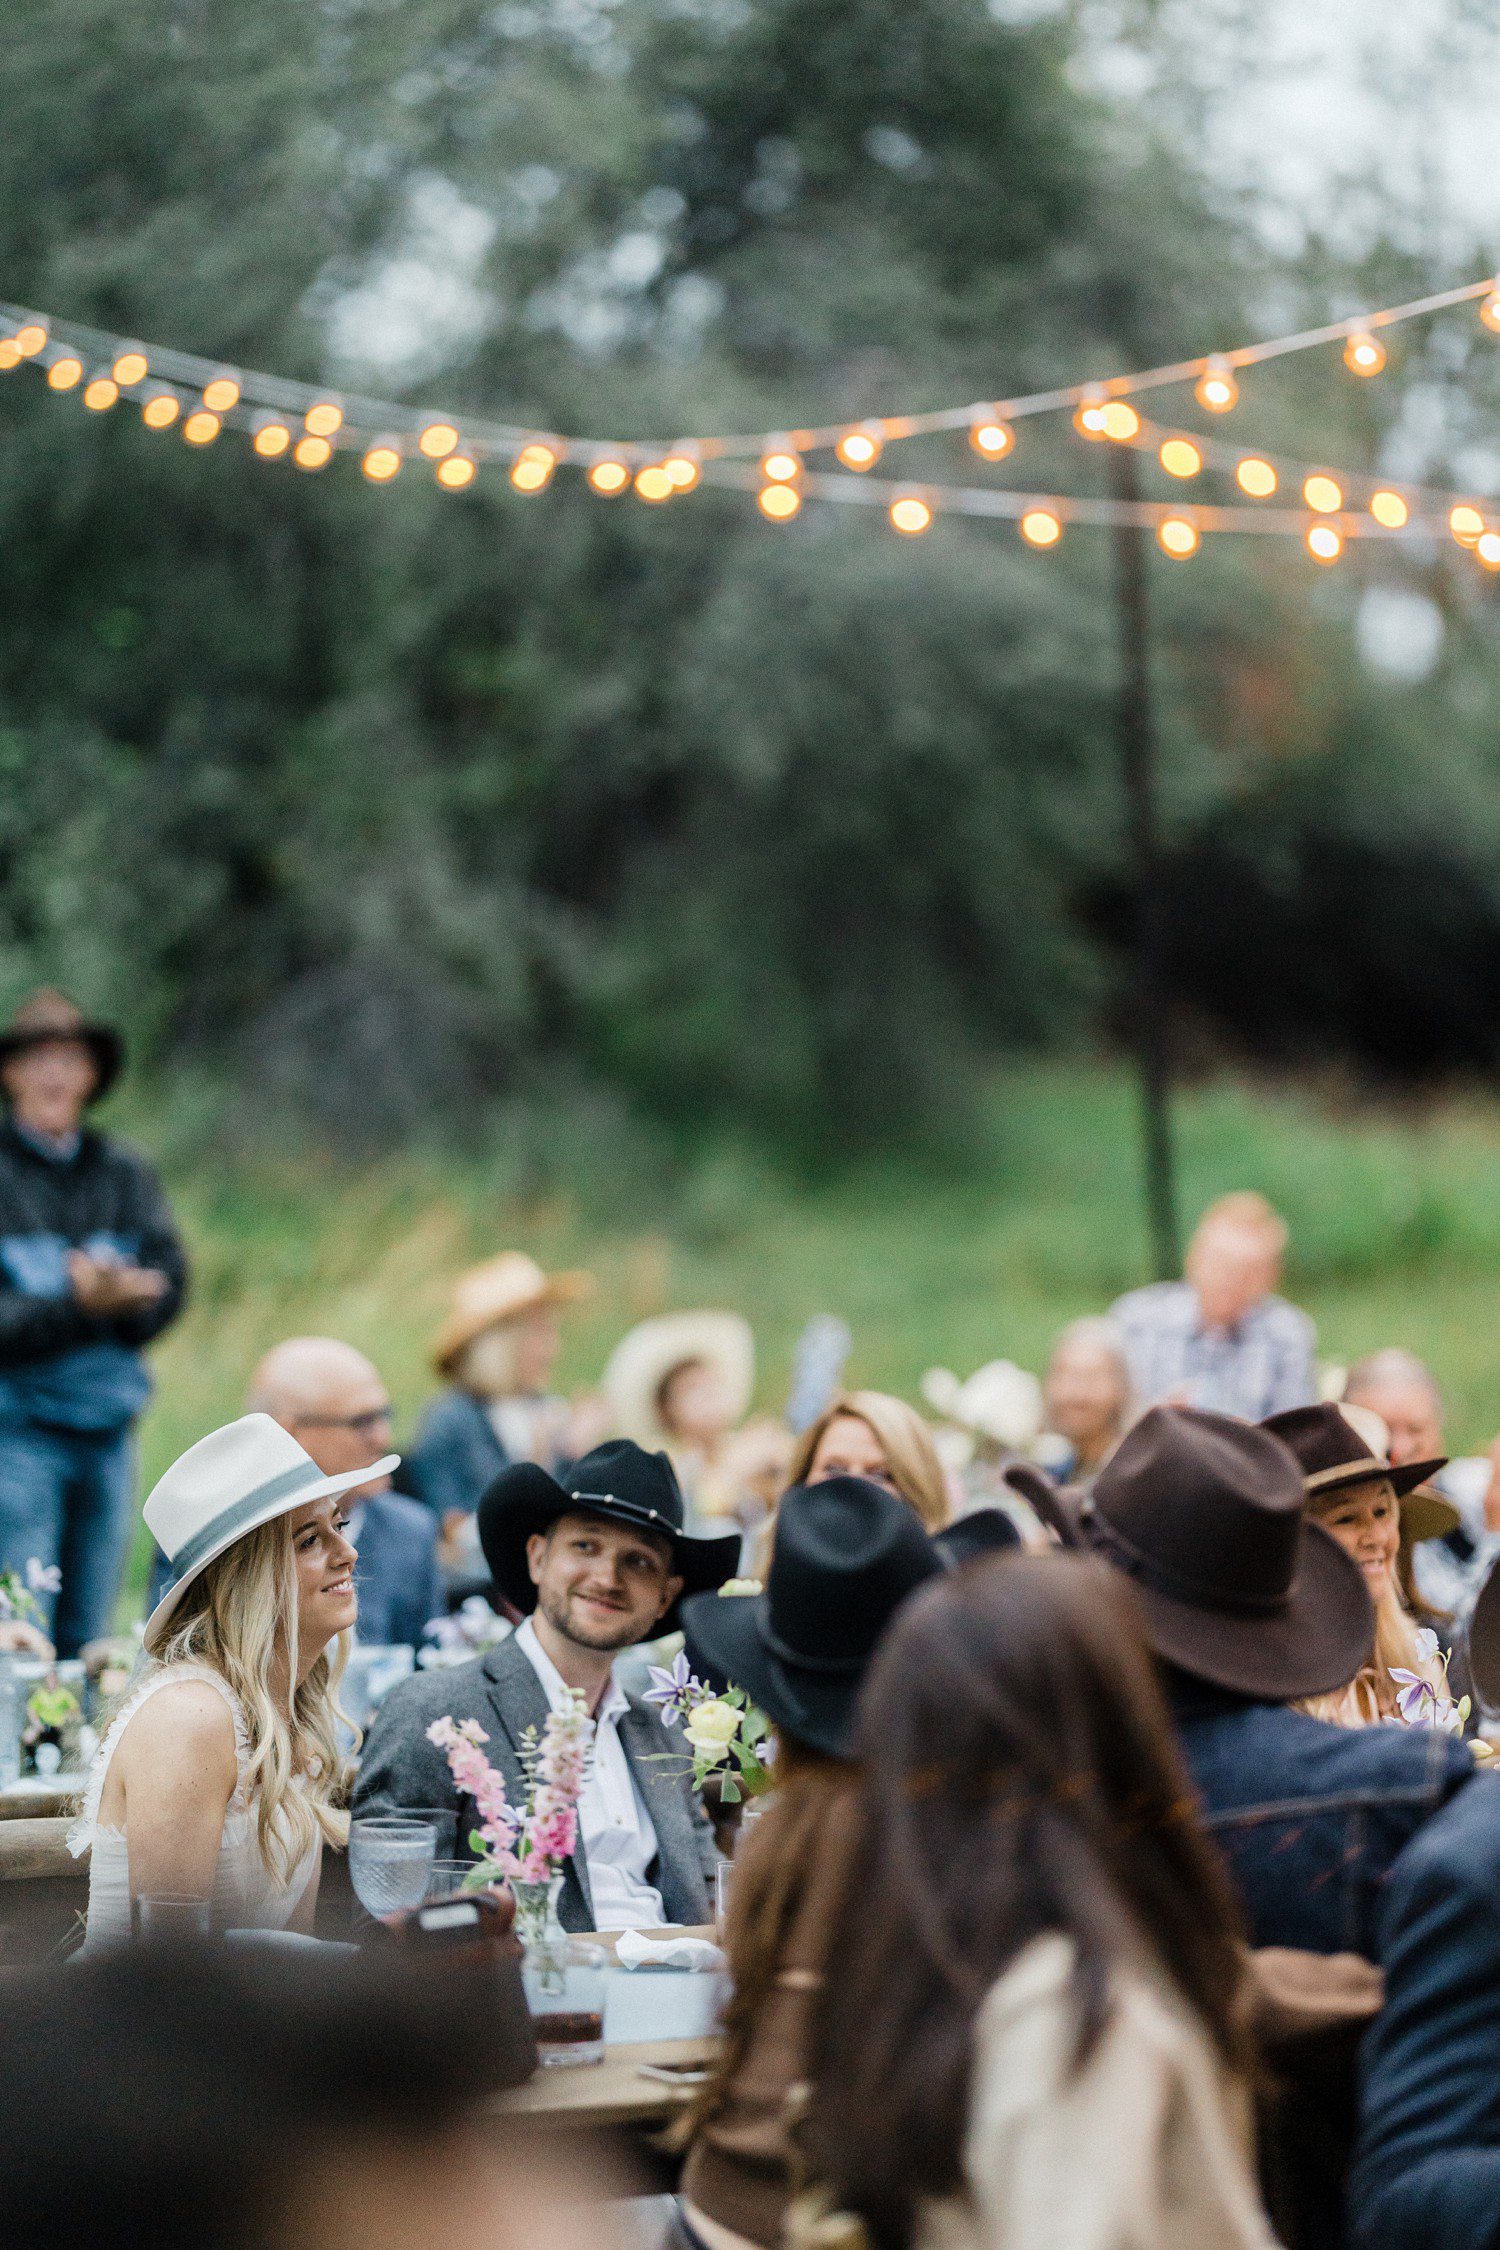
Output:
x=1260 y=1366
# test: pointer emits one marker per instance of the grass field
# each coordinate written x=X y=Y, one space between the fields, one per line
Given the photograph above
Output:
x=1395 y=1222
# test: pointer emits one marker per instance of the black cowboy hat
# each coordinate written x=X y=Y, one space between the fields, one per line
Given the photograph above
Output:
x=846 y=1555
x=1339 y=1446
x=618 y=1481
x=48 y=1016
x=1204 y=1515
x=974 y=1537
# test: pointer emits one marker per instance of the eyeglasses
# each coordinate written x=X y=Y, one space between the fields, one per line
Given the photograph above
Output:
x=364 y=1425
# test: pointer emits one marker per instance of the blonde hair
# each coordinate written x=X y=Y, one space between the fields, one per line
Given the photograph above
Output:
x=1371 y=1694
x=239 y=1619
x=904 y=1438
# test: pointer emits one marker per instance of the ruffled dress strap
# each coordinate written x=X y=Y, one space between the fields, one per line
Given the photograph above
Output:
x=85 y=1829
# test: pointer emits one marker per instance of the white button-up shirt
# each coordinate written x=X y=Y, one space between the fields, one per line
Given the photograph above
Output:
x=615 y=1829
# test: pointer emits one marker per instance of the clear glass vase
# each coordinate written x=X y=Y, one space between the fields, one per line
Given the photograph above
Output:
x=563 y=1976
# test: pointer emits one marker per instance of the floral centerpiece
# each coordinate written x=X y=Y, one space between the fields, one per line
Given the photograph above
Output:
x=473 y=1629
x=18 y=1595
x=1423 y=1701
x=730 y=1739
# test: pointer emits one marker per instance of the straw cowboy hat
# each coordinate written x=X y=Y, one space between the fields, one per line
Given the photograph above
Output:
x=1339 y=1446
x=1205 y=1516
x=229 y=1483
x=48 y=1016
x=622 y=1483
x=999 y=1402
x=501 y=1289
x=643 y=1359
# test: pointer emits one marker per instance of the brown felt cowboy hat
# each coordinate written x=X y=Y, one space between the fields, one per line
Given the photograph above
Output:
x=1340 y=1446
x=51 y=1016
x=1204 y=1515
x=501 y=1289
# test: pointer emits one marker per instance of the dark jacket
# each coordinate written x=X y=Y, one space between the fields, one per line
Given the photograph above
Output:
x=1309 y=1817
x=49 y=1206
x=400 y=1769
x=1427 y=2161
x=455 y=1456
x=396 y=1576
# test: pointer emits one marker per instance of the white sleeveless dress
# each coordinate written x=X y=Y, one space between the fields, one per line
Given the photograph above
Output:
x=245 y=1895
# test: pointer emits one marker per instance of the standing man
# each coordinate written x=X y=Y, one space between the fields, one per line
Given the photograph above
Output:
x=333 y=1402
x=1221 y=1339
x=91 y=1271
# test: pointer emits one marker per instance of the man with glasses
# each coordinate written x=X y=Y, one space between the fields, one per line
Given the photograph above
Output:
x=337 y=1408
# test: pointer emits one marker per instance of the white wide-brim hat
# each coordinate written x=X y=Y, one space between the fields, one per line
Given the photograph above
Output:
x=651 y=1351
x=229 y=1483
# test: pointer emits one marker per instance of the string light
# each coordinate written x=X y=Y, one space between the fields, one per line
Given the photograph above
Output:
x=101 y=394
x=130 y=368
x=1324 y=544
x=778 y=501
x=161 y=410
x=653 y=484
x=1487 y=548
x=272 y=437
x=683 y=467
x=64 y=373
x=1466 y=523
x=1179 y=537
x=322 y=420
x=1216 y=389
x=1489 y=311
x=438 y=439
x=1364 y=354
x=1088 y=419
x=455 y=472
x=30 y=338
x=1390 y=509
x=381 y=463
x=991 y=437
x=609 y=476
x=1040 y=527
x=312 y=452
x=532 y=467
x=1120 y=421
x=202 y=427
x=9 y=356
x=911 y=514
x=780 y=465
x=860 y=448
x=1323 y=493
x=221 y=394
x=1255 y=476
x=1180 y=457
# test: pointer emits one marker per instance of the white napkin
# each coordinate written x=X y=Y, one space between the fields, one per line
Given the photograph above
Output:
x=634 y=1950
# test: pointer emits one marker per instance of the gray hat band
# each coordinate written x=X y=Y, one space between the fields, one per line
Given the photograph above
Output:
x=243 y=1514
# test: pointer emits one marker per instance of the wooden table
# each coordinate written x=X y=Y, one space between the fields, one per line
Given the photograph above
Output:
x=607 y=2095
x=41 y=1800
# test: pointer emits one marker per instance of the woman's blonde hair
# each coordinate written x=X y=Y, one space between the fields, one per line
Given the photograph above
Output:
x=240 y=1619
x=906 y=1442
x=1371 y=1694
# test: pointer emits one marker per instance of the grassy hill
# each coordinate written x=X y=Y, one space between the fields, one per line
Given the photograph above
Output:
x=1395 y=1220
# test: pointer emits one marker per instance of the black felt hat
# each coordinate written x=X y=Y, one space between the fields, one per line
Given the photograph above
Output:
x=618 y=1481
x=48 y=1017
x=973 y=1538
x=846 y=1555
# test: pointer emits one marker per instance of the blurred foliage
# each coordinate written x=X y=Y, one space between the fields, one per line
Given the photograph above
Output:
x=379 y=808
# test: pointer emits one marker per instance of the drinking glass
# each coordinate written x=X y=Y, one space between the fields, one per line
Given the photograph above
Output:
x=447 y=1878
x=169 y=1918
x=389 y=1863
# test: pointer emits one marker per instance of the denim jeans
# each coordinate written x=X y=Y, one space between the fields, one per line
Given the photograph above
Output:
x=67 y=1496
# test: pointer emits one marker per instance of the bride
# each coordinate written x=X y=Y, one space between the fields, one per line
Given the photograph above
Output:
x=220 y=1778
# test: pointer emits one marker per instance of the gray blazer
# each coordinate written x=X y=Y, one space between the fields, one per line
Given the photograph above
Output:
x=399 y=1769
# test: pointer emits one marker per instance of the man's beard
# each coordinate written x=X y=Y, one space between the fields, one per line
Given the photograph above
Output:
x=559 y=1613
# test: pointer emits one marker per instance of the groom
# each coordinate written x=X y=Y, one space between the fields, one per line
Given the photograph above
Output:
x=601 y=1560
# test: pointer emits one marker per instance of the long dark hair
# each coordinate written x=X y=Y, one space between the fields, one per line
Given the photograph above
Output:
x=1019 y=1777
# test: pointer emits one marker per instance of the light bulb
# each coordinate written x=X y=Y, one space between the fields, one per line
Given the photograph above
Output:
x=312 y=452
x=1120 y=421
x=29 y=339
x=1088 y=416
x=778 y=501
x=682 y=466
x=1489 y=311
x=860 y=448
x=9 y=356
x=1179 y=537
x=438 y=439
x=101 y=394
x=64 y=373
x=1324 y=544
x=1487 y=548
x=1255 y=476
x=381 y=463
x=1466 y=523
x=161 y=410
x=271 y=439
x=780 y=465
x=221 y=394
x=1390 y=509
x=532 y=467
x=454 y=473
x=1364 y=354
x=991 y=437
x=130 y=368
x=1216 y=389
x=1040 y=527
x=609 y=476
x=911 y=514
x=1180 y=457
x=201 y=428
x=652 y=483
x=1325 y=494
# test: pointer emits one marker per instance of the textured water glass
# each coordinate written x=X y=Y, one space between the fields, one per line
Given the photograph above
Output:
x=389 y=1863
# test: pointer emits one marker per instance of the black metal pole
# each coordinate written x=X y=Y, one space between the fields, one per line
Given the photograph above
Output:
x=1136 y=731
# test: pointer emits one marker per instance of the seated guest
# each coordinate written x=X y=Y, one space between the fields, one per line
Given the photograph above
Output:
x=496 y=1351
x=337 y=1408
x=1221 y=1338
x=1448 y=1574
x=872 y=1435
x=847 y=1554
x=1250 y=1608
x=682 y=1382
x=1086 y=1399
x=1027 y=2031
x=1366 y=1503
x=221 y=1776
x=601 y=1559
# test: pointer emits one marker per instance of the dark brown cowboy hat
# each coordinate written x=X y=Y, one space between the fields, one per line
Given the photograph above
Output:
x=1339 y=1446
x=1484 y=1642
x=49 y=1016
x=1204 y=1515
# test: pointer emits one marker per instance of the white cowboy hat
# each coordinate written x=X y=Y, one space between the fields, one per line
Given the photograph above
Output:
x=499 y=1290
x=643 y=1359
x=999 y=1401
x=229 y=1483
